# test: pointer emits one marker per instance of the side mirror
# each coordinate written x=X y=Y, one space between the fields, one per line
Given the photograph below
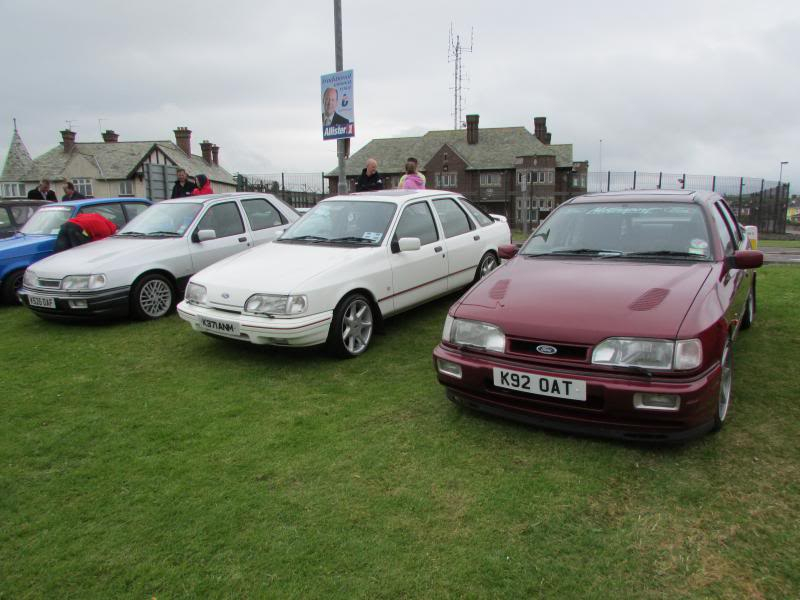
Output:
x=206 y=234
x=507 y=251
x=746 y=259
x=409 y=244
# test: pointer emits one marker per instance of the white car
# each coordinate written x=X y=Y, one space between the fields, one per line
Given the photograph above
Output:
x=345 y=265
x=143 y=269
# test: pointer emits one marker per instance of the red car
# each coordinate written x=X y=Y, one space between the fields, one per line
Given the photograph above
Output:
x=615 y=318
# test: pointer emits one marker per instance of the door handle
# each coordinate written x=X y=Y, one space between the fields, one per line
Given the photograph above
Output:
x=437 y=249
x=476 y=237
x=242 y=239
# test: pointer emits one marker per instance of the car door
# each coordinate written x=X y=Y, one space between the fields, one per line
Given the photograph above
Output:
x=266 y=221
x=417 y=275
x=462 y=242
x=230 y=237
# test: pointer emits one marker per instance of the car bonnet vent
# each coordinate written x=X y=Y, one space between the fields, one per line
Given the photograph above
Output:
x=499 y=289
x=650 y=299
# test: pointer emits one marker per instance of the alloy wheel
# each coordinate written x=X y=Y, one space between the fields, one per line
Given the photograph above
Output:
x=488 y=265
x=155 y=298
x=726 y=383
x=357 y=326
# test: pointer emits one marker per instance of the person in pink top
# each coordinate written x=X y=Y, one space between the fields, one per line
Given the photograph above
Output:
x=411 y=180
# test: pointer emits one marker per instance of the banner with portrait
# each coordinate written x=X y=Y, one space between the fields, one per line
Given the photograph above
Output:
x=338 y=117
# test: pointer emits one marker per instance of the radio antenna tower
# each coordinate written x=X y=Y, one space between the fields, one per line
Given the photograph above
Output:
x=454 y=55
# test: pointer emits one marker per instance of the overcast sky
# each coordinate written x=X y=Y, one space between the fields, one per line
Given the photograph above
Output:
x=698 y=87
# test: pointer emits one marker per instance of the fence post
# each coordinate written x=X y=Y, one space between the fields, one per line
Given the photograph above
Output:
x=608 y=185
x=634 y=180
x=741 y=186
x=683 y=182
x=760 y=203
x=322 y=188
x=659 y=179
x=714 y=184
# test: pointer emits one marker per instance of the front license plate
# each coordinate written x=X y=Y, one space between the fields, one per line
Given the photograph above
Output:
x=540 y=385
x=42 y=301
x=221 y=327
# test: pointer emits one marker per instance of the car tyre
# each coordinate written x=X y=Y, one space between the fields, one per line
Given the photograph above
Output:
x=352 y=326
x=152 y=297
x=725 y=387
x=750 y=309
x=487 y=264
x=11 y=285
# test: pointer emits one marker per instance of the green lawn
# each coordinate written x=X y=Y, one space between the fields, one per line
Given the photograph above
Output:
x=145 y=460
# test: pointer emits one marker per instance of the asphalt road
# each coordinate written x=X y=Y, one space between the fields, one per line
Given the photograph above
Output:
x=780 y=255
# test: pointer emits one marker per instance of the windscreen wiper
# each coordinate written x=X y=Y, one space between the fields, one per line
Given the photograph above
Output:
x=132 y=233
x=354 y=239
x=667 y=254
x=578 y=252
x=169 y=233
x=304 y=238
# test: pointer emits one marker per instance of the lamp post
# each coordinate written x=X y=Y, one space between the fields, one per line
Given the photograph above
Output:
x=783 y=162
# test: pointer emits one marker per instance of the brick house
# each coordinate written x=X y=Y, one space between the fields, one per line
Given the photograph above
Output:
x=109 y=168
x=508 y=170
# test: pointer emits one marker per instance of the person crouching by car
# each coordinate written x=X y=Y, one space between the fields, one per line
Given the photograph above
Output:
x=83 y=229
x=203 y=186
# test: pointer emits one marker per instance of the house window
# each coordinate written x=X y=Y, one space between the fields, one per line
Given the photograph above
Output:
x=445 y=157
x=83 y=186
x=519 y=178
x=490 y=179
x=13 y=190
x=126 y=188
x=445 y=180
x=549 y=177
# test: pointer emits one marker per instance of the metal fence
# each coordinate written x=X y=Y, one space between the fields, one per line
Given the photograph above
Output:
x=758 y=202
x=301 y=190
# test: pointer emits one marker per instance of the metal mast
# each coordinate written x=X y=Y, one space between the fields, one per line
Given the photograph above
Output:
x=454 y=52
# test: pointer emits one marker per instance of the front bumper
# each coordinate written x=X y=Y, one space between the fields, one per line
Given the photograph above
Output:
x=113 y=302
x=608 y=410
x=308 y=330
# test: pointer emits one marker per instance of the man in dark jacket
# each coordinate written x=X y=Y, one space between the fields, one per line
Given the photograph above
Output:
x=369 y=180
x=70 y=193
x=43 y=192
x=183 y=187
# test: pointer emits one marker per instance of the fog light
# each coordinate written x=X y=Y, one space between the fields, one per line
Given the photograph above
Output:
x=657 y=401
x=449 y=368
x=78 y=304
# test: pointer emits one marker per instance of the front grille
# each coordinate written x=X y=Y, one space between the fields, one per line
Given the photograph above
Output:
x=563 y=351
x=49 y=283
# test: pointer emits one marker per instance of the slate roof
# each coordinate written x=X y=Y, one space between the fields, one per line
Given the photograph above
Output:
x=497 y=148
x=18 y=160
x=118 y=160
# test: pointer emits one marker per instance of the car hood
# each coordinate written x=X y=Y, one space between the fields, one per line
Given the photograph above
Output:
x=585 y=301
x=278 y=268
x=23 y=245
x=103 y=255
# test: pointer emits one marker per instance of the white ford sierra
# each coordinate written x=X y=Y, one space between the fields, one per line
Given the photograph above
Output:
x=345 y=265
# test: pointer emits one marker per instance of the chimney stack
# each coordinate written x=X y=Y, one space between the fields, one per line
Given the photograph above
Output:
x=472 y=129
x=69 y=140
x=110 y=137
x=183 y=139
x=215 y=154
x=205 y=149
x=540 y=129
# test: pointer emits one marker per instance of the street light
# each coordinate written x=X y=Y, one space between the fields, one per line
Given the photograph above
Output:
x=783 y=162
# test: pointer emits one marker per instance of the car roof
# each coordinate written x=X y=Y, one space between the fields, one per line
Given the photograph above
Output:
x=93 y=201
x=212 y=197
x=23 y=202
x=395 y=196
x=693 y=196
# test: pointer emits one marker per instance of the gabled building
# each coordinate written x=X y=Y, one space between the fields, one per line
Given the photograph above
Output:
x=508 y=170
x=111 y=168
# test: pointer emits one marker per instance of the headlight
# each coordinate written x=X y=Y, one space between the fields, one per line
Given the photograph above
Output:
x=273 y=304
x=661 y=355
x=29 y=279
x=195 y=293
x=474 y=333
x=83 y=282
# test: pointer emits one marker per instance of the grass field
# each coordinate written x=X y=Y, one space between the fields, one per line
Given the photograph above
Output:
x=144 y=460
x=779 y=243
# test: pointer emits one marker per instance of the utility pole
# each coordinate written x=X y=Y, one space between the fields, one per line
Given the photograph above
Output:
x=340 y=144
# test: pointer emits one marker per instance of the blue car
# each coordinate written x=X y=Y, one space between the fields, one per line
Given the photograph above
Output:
x=37 y=239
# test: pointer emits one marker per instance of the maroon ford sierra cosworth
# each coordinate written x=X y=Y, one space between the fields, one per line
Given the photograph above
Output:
x=615 y=318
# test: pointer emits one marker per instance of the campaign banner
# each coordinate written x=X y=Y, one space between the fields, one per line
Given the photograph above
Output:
x=338 y=118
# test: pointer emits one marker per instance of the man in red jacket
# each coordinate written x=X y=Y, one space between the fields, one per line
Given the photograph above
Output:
x=84 y=228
